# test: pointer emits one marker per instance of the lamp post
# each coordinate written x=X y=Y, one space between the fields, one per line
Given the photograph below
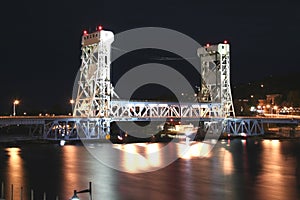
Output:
x=75 y=197
x=72 y=101
x=16 y=102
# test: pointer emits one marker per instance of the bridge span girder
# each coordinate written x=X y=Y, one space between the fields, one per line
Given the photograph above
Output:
x=132 y=110
x=98 y=128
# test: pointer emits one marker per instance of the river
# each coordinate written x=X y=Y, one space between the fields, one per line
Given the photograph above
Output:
x=233 y=169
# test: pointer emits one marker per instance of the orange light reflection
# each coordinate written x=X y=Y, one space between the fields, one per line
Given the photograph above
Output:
x=153 y=154
x=15 y=173
x=193 y=150
x=227 y=162
x=71 y=171
x=274 y=172
x=132 y=160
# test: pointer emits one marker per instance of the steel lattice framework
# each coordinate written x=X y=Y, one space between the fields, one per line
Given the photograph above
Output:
x=94 y=94
x=135 y=111
x=215 y=77
x=94 y=86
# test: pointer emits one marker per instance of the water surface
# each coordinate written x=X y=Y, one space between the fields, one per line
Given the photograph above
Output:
x=234 y=169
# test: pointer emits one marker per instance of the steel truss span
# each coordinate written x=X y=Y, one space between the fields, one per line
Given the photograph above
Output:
x=134 y=110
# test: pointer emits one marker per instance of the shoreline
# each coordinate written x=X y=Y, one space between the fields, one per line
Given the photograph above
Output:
x=16 y=141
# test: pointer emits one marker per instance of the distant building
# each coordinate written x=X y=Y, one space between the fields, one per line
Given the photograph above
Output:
x=262 y=102
x=271 y=98
x=268 y=105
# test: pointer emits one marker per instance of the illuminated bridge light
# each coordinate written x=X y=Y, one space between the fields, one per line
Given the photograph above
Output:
x=99 y=28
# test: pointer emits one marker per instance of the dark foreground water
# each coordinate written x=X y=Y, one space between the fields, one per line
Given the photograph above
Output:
x=236 y=169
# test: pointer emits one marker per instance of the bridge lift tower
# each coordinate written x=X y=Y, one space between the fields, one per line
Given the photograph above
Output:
x=215 y=77
x=94 y=86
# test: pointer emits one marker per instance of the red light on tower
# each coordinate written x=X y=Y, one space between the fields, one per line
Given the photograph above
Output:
x=85 y=32
x=207 y=45
x=225 y=42
x=99 y=28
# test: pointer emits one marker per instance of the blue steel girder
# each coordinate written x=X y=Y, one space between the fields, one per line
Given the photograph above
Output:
x=248 y=126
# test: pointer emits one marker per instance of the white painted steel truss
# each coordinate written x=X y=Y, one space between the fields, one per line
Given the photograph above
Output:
x=94 y=86
x=133 y=111
x=215 y=77
x=95 y=90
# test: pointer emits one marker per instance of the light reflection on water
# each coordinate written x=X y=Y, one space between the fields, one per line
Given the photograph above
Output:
x=15 y=172
x=234 y=169
x=154 y=155
x=278 y=171
x=144 y=157
x=71 y=170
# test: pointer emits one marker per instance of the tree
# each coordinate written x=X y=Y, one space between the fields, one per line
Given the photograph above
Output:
x=293 y=98
x=278 y=100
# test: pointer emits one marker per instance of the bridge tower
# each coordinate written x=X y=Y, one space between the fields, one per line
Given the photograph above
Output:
x=215 y=77
x=94 y=86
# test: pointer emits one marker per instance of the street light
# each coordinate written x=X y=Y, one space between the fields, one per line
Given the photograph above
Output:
x=72 y=101
x=75 y=197
x=16 y=102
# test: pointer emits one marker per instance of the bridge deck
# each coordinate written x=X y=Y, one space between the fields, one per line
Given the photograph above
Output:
x=15 y=120
x=63 y=126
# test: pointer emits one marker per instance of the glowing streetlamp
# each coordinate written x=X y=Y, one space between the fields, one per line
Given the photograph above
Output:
x=16 y=102
x=72 y=101
x=75 y=197
x=275 y=108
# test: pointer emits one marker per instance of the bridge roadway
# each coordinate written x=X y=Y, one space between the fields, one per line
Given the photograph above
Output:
x=31 y=120
x=68 y=127
x=274 y=118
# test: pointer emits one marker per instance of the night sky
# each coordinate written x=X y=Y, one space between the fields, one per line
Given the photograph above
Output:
x=40 y=48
